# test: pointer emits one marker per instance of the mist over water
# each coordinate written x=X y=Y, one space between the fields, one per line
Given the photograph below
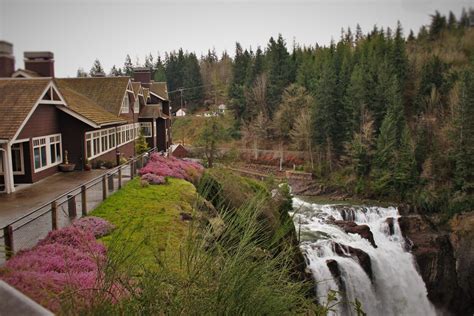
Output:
x=396 y=288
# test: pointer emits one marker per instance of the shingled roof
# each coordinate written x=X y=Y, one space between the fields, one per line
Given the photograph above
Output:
x=86 y=107
x=17 y=99
x=160 y=89
x=107 y=92
x=136 y=88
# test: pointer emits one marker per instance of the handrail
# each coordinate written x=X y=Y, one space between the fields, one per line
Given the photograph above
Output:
x=70 y=191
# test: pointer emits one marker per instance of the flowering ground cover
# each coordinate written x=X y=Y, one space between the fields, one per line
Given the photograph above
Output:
x=171 y=167
x=66 y=261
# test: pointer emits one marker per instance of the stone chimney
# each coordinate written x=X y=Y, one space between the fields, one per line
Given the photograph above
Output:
x=143 y=75
x=40 y=62
x=7 y=61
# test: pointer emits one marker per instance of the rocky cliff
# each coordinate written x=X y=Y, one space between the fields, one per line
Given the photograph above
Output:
x=445 y=258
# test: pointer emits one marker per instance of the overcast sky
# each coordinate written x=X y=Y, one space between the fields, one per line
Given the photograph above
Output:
x=78 y=32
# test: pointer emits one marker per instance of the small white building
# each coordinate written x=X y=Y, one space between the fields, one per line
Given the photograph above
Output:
x=181 y=112
x=222 y=108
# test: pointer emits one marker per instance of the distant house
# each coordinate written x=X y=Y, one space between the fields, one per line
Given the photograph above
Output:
x=178 y=151
x=181 y=112
x=222 y=108
x=94 y=118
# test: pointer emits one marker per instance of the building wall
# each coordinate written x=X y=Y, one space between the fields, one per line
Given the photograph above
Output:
x=73 y=131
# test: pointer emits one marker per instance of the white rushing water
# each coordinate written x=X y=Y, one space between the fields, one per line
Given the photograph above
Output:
x=395 y=288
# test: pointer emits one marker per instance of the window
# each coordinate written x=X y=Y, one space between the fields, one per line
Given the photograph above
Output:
x=146 y=128
x=99 y=142
x=125 y=104
x=136 y=105
x=47 y=151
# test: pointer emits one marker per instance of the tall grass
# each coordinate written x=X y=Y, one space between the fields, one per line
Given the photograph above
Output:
x=235 y=268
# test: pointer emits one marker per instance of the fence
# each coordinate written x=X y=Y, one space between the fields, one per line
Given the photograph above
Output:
x=26 y=231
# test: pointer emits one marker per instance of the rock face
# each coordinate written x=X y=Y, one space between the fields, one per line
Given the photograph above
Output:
x=362 y=257
x=353 y=228
x=445 y=260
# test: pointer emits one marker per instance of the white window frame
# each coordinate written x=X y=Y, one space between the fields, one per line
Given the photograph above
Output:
x=22 y=160
x=47 y=143
x=103 y=137
x=136 y=105
x=125 y=104
x=146 y=126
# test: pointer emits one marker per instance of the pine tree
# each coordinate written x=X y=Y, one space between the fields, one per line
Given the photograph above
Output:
x=398 y=56
x=96 y=69
x=452 y=22
x=438 y=24
x=237 y=86
x=81 y=73
x=280 y=72
x=114 y=72
x=128 y=66
x=464 y=136
x=159 y=73
x=149 y=61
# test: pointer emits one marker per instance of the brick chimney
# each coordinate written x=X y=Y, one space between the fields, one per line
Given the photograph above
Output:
x=143 y=75
x=7 y=61
x=40 y=62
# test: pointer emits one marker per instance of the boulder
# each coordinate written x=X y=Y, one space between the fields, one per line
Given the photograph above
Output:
x=390 y=222
x=361 y=256
x=336 y=273
x=353 y=228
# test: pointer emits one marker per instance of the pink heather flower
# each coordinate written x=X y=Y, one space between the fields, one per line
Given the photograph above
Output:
x=172 y=167
x=96 y=225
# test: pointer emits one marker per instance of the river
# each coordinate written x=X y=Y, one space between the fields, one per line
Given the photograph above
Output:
x=384 y=279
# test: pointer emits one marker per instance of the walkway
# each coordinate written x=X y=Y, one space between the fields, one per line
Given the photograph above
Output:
x=22 y=201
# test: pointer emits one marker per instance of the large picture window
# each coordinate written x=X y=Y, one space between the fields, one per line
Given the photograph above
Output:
x=47 y=151
x=99 y=142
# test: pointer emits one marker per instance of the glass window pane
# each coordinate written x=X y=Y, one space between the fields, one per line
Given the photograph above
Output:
x=43 y=156
x=37 y=158
x=52 y=153
x=58 y=152
x=88 y=149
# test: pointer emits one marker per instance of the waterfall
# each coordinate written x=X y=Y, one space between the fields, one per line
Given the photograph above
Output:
x=387 y=284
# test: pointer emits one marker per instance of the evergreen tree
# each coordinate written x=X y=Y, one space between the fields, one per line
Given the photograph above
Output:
x=398 y=56
x=438 y=24
x=128 y=66
x=149 y=61
x=464 y=151
x=452 y=22
x=96 y=69
x=280 y=71
x=192 y=81
x=237 y=86
x=159 y=73
x=81 y=73
x=115 y=72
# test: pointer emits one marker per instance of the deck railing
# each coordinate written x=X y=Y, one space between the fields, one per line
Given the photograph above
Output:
x=25 y=231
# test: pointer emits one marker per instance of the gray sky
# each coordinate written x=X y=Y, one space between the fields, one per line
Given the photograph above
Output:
x=80 y=31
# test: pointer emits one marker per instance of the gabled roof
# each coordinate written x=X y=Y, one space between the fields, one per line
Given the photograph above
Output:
x=18 y=97
x=137 y=88
x=86 y=107
x=107 y=92
x=160 y=89
x=25 y=73
x=146 y=93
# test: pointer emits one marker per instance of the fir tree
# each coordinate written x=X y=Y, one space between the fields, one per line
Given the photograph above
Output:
x=96 y=69
x=280 y=71
x=128 y=66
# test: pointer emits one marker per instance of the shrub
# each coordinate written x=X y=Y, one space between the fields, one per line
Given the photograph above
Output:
x=172 y=167
x=96 y=225
x=153 y=178
x=109 y=164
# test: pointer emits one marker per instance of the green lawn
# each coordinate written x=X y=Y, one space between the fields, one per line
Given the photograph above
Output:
x=147 y=219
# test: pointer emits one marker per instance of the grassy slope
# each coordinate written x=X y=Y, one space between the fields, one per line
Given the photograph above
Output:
x=148 y=218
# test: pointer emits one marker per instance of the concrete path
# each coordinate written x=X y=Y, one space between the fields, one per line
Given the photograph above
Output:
x=22 y=201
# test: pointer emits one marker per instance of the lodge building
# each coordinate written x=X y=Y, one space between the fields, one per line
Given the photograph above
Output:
x=92 y=119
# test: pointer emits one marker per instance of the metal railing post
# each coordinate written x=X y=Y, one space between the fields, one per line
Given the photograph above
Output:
x=54 y=215
x=120 y=177
x=71 y=205
x=110 y=183
x=132 y=171
x=104 y=186
x=8 y=239
x=84 y=200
